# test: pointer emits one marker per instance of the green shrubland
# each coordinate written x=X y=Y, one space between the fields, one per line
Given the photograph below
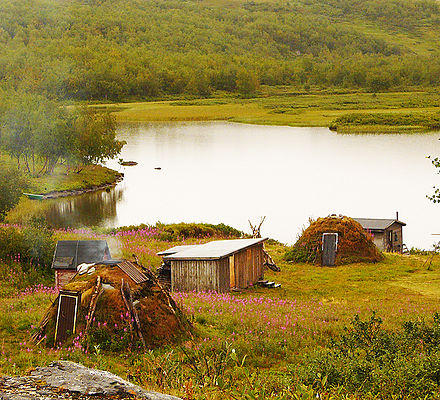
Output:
x=115 y=50
x=399 y=120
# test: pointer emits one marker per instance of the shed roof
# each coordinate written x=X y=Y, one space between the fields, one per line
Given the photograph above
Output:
x=377 y=224
x=214 y=250
x=70 y=253
x=175 y=249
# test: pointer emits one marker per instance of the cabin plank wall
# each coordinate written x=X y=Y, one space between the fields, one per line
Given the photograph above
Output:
x=216 y=275
x=248 y=266
x=200 y=275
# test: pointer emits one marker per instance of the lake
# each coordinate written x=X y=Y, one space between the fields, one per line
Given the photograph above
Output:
x=225 y=172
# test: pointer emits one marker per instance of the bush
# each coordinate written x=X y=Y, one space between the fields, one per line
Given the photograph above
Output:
x=425 y=120
x=186 y=230
x=369 y=359
x=172 y=232
x=12 y=185
x=33 y=245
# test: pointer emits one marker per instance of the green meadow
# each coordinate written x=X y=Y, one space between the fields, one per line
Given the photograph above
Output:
x=286 y=107
x=295 y=342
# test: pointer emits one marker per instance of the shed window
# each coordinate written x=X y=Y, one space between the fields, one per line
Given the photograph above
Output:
x=395 y=237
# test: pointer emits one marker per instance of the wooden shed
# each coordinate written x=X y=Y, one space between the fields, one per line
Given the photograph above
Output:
x=218 y=266
x=71 y=253
x=387 y=233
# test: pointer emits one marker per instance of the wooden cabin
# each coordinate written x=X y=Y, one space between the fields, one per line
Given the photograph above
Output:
x=71 y=253
x=387 y=233
x=218 y=266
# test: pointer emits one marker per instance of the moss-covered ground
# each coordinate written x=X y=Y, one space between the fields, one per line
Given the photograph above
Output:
x=249 y=345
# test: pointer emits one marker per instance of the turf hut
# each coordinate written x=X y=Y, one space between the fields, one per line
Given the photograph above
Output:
x=116 y=305
x=339 y=239
x=71 y=253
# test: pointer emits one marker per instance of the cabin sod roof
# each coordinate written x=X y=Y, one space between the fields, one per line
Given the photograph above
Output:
x=377 y=224
x=214 y=250
x=70 y=253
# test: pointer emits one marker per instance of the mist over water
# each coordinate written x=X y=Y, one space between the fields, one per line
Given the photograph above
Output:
x=224 y=172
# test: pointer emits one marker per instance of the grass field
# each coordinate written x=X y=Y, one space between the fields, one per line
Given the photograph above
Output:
x=249 y=345
x=281 y=107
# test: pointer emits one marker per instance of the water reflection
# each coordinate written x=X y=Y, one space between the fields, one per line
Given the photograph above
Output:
x=91 y=209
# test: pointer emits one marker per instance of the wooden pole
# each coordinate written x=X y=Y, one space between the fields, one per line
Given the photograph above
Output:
x=128 y=308
x=92 y=305
x=134 y=314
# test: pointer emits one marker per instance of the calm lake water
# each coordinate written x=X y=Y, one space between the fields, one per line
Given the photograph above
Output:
x=224 y=172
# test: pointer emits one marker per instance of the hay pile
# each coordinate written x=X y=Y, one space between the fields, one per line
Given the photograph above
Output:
x=113 y=326
x=354 y=244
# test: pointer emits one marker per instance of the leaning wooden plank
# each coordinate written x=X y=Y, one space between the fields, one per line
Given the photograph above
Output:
x=135 y=315
x=38 y=336
x=171 y=303
x=98 y=290
x=127 y=305
x=269 y=262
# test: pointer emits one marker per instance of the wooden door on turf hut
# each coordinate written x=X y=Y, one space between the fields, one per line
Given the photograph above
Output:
x=329 y=249
x=66 y=316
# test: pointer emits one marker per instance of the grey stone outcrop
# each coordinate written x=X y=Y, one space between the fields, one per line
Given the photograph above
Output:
x=69 y=380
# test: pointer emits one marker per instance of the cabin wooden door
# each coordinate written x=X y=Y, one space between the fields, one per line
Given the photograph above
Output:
x=232 y=272
x=329 y=248
x=66 y=316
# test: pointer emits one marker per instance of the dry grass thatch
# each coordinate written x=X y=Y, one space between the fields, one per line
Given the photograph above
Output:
x=147 y=317
x=354 y=244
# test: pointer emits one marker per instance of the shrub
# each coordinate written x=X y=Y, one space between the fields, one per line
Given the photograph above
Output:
x=12 y=184
x=32 y=245
x=172 y=232
x=425 y=120
x=368 y=359
x=201 y=230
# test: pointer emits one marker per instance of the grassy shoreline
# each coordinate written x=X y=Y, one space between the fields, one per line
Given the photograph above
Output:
x=289 y=109
x=65 y=180
x=61 y=183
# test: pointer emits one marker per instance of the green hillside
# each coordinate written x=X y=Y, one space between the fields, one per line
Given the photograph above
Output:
x=119 y=50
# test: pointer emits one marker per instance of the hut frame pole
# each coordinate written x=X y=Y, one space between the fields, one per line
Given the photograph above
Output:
x=134 y=313
x=92 y=306
x=128 y=308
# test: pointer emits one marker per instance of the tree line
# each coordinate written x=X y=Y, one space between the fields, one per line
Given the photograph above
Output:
x=39 y=133
x=121 y=50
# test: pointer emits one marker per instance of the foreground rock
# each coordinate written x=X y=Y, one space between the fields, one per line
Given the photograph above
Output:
x=68 y=380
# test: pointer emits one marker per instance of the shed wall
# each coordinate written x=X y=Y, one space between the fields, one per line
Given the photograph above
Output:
x=394 y=238
x=248 y=266
x=200 y=275
x=390 y=240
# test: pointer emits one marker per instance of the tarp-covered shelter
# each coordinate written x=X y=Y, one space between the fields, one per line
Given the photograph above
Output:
x=114 y=304
x=219 y=265
x=71 y=253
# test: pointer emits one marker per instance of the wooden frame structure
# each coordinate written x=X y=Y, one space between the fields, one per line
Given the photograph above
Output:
x=218 y=266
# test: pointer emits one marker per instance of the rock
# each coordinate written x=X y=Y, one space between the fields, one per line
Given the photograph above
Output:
x=64 y=379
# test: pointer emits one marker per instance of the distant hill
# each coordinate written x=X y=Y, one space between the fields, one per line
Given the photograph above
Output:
x=122 y=49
